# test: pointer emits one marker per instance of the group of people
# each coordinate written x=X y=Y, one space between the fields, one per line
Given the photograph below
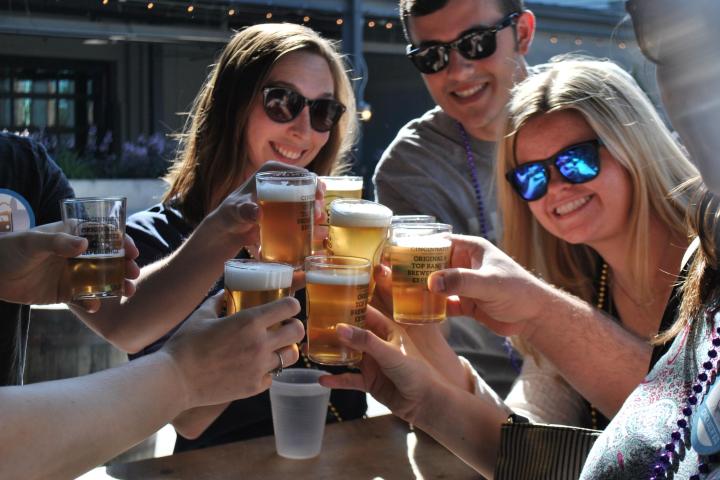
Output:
x=570 y=195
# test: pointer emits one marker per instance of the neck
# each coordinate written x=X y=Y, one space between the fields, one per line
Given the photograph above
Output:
x=641 y=312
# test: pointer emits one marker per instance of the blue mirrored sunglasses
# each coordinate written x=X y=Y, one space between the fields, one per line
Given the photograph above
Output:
x=577 y=163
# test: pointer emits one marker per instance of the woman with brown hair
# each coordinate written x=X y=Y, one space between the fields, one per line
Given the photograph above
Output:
x=278 y=92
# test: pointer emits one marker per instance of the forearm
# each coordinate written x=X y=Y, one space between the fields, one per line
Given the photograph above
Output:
x=467 y=425
x=167 y=291
x=192 y=423
x=585 y=345
x=60 y=429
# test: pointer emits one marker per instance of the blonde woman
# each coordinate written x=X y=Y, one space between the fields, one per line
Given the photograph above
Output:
x=591 y=165
x=615 y=240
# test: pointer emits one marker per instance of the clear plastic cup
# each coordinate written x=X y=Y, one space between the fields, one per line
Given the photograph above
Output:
x=299 y=409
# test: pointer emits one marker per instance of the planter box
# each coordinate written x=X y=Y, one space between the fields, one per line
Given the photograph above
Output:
x=141 y=193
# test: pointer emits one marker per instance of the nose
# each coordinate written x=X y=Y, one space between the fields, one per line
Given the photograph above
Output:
x=556 y=182
x=458 y=65
x=300 y=125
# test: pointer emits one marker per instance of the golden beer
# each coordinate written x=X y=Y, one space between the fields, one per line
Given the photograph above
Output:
x=286 y=200
x=359 y=228
x=249 y=283
x=341 y=188
x=93 y=276
x=415 y=253
x=99 y=272
x=337 y=292
x=336 y=188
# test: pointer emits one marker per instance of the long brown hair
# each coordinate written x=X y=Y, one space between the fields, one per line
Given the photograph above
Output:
x=211 y=158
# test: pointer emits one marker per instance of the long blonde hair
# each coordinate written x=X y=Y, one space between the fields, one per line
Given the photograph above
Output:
x=624 y=119
x=211 y=158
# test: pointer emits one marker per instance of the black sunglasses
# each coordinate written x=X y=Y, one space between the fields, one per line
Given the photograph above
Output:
x=577 y=163
x=284 y=104
x=473 y=44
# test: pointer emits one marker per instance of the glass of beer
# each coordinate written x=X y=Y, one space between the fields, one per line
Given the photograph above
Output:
x=396 y=219
x=359 y=228
x=99 y=272
x=249 y=283
x=336 y=188
x=416 y=251
x=286 y=201
x=337 y=292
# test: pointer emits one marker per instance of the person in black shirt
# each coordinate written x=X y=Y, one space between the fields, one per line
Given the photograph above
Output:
x=31 y=188
x=251 y=110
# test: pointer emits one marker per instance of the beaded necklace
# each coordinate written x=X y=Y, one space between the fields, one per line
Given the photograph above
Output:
x=673 y=450
x=474 y=178
x=600 y=303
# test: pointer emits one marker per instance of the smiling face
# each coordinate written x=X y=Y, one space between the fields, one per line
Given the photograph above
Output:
x=294 y=142
x=590 y=213
x=474 y=92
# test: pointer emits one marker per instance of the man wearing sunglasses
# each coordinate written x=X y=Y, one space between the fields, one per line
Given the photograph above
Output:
x=470 y=53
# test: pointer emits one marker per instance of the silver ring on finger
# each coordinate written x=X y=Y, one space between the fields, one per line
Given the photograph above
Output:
x=278 y=370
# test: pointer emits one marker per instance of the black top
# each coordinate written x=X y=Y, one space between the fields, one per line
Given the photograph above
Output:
x=31 y=187
x=158 y=232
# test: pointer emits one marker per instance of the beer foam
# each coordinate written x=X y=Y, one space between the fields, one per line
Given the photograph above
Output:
x=424 y=241
x=342 y=184
x=359 y=214
x=337 y=277
x=257 y=276
x=275 y=192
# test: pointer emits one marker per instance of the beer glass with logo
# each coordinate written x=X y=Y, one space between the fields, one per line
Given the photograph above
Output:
x=359 y=228
x=99 y=272
x=416 y=251
x=249 y=283
x=337 y=292
x=337 y=188
x=286 y=200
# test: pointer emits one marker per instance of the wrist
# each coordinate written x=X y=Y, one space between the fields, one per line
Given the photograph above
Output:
x=178 y=381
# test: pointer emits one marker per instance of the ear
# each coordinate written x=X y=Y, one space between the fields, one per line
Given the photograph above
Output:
x=525 y=29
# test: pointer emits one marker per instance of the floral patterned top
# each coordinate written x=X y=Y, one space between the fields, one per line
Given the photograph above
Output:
x=630 y=445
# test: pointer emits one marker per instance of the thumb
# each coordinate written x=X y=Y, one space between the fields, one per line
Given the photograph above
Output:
x=384 y=353
x=60 y=244
x=463 y=282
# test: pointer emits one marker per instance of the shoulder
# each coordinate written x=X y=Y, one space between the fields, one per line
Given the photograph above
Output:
x=30 y=175
x=421 y=141
x=157 y=232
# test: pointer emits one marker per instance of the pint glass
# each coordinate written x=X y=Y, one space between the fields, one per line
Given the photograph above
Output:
x=286 y=222
x=337 y=188
x=337 y=292
x=99 y=272
x=249 y=283
x=417 y=250
x=359 y=228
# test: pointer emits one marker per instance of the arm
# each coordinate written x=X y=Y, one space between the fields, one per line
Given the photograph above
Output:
x=575 y=337
x=542 y=395
x=75 y=424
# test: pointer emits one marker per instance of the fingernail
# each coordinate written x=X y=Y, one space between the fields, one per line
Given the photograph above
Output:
x=344 y=331
x=437 y=283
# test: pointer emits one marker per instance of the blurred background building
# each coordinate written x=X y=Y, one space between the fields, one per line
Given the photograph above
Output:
x=100 y=73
